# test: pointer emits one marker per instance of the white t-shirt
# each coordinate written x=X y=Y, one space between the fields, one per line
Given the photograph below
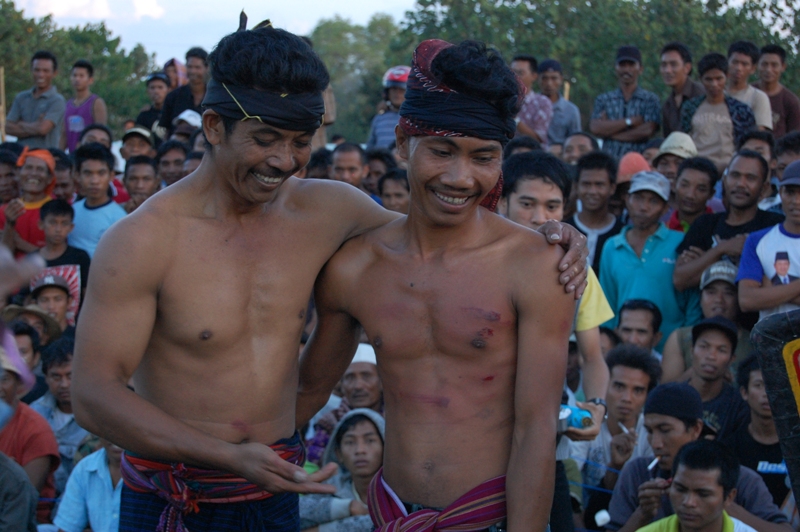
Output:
x=758 y=102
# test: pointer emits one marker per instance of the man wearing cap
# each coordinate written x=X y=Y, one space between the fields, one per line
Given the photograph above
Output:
x=673 y=417
x=626 y=117
x=673 y=151
x=566 y=115
x=638 y=262
x=225 y=316
x=52 y=294
x=157 y=85
x=774 y=254
x=36 y=317
x=189 y=96
x=137 y=141
x=676 y=67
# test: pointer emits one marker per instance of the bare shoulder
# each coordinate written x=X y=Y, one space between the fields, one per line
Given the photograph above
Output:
x=526 y=247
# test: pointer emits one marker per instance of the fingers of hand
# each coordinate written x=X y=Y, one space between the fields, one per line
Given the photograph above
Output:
x=324 y=474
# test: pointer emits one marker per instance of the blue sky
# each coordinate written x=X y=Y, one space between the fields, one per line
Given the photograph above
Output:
x=170 y=27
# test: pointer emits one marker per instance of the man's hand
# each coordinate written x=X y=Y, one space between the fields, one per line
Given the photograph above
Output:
x=573 y=265
x=14 y=274
x=688 y=255
x=733 y=246
x=14 y=210
x=589 y=433
x=650 y=494
x=263 y=467
x=358 y=508
x=622 y=446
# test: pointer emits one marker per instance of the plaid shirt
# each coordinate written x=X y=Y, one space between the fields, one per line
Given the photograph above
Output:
x=741 y=115
x=642 y=103
x=536 y=113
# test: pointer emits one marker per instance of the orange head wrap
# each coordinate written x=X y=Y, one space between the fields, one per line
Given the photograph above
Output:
x=48 y=159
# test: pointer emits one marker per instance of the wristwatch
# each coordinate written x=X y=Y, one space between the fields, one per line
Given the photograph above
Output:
x=599 y=401
x=628 y=122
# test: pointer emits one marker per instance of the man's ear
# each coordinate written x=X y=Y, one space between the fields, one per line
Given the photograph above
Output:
x=213 y=128
x=402 y=140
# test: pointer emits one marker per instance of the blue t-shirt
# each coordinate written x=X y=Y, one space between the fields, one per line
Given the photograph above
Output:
x=90 y=500
x=771 y=257
x=92 y=222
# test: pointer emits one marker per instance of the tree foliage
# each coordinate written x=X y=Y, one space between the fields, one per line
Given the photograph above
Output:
x=118 y=73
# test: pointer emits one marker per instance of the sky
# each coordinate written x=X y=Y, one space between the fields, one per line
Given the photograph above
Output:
x=170 y=27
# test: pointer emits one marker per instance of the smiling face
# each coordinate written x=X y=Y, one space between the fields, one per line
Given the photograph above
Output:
x=34 y=176
x=770 y=68
x=8 y=183
x=673 y=70
x=627 y=72
x=595 y=189
x=43 y=72
x=744 y=182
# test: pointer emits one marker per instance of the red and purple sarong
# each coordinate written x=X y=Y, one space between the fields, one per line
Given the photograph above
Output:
x=476 y=510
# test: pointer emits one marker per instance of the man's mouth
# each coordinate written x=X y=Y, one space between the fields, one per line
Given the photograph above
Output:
x=452 y=200
x=266 y=179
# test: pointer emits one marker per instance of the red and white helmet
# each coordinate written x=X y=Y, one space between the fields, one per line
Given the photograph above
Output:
x=396 y=77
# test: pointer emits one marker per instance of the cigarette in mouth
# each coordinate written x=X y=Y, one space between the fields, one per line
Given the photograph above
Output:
x=653 y=464
x=624 y=428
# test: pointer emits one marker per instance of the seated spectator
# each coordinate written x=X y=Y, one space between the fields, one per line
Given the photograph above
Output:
x=361 y=388
x=639 y=324
x=137 y=141
x=65 y=188
x=595 y=182
x=56 y=220
x=715 y=121
x=380 y=161
x=197 y=142
x=673 y=417
x=356 y=445
x=756 y=443
x=787 y=151
x=56 y=405
x=96 y=212
x=192 y=162
x=140 y=180
x=394 y=190
x=713 y=344
x=762 y=142
x=169 y=158
x=608 y=340
x=577 y=145
x=631 y=164
x=638 y=263
x=18 y=497
x=9 y=187
x=704 y=479
x=27 y=340
x=774 y=254
x=28 y=439
x=92 y=497
x=36 y=317
x=520 y=144
x=96 y=133
x=183 y=133
x=717 y=298
x=52 y=294
x=713 y=237
x=694 y=188
x=675 y=149
x=633 y=373
x=320 y=164
x=651 y=150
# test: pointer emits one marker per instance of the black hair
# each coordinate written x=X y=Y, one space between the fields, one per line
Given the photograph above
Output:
x=635 y=357
x=94 y=151
x=193 y=136
x=744 y=369
x=592 y=139
x=9 y=158
x=750 y=154
x=654 y=143
x=13 y=147
x=199 y=53
x=57 y=353
x=680 y=48
x=383 y=155
x=521 y=141
x=268 y=59
x=83 y=63
x=774 y=49
x=789 y=143
x=535 y=165
x=195 y=155
x=643 y=304
x=351 y=422
x=597 y=160
x=707 y=455
x=322 y=158
x=337 y=137
x=755 y=134
x=395 y=174
x=168 y=146
x=479 y=72
x=701 y=164
x=63 y=161
x=44 y=54
x=712 y=61
x=612 y=335
x=100 y=127
x=20 y=328
x=530 y=59
x=56 y=207
x=745 y=48
x=350 y=147
x=140 y=159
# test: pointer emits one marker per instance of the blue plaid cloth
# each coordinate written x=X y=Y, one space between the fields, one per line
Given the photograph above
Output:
x=642 y=103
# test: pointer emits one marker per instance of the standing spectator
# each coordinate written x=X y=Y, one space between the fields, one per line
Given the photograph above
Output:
x=84 y=109
x=57 y=222
x=96 y=133
x=176 y=72
x=20 y=217
x=192 y=162
x=626 y=117
x=189 y=96
x=65 y=188
x=715 y=121
x=157 y=85
x=170 y=158
x=350 y=166
x=713 y=237
x=577 y=145
x=381 y=133
x=742 y=61
x=379 y=161
x=694 y=188
x=536 y=112
x=394 y=190
x=566 y=115
x=30 y=349
x=676 y=67
x=36 y=117
x=595 y=183
x=96 y=212
x=770 y=268
x=9 y=188
x=785 y=105
x=640 y=325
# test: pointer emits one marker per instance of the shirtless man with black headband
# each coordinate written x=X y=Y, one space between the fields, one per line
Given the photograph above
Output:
x=200 y=295
x=468 y=323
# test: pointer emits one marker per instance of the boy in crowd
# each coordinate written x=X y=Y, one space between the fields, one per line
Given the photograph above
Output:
x=140 y=180
x=770 y=266
x=595 y=184
x=704 y=478
x=785 y=105
x=640 y=325
x=742 y=61
x=169 y=158
x=715 y=121
x=52 y=294
x=693 y=190
x=84 y=109
x=96 y=212
x=673 y=417
x=57 y=222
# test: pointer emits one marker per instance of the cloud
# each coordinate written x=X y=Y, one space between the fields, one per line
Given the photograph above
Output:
x=86 y=9
x=147 y=8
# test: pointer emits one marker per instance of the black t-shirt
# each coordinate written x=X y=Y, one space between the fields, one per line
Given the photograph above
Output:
x=148 y=117
x=726 y=413
x=766 y=460
x=74 y=256
x=702 y=232
x=175 y=103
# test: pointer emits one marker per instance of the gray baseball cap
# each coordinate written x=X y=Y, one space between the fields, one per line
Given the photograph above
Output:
x=719 y=271
x=652 y=181
x=791 y=175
